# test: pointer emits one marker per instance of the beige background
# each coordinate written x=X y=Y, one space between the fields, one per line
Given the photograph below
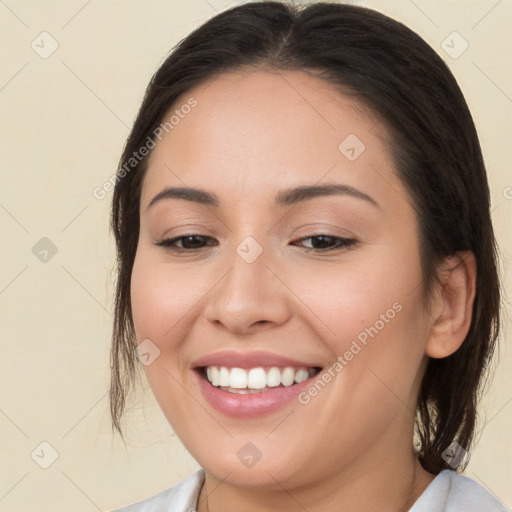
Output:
x=63 y=122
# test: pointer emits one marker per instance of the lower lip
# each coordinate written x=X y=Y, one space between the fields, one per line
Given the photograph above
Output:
x=250 y=405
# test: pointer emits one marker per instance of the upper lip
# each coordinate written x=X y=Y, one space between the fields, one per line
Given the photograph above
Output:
x=233 y=359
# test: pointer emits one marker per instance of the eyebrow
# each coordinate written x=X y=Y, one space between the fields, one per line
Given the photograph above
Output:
x=283 y=198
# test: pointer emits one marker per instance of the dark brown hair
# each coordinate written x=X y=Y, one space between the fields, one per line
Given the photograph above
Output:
x=395 y=73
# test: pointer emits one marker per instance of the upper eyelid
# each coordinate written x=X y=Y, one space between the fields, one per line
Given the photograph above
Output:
x=322 y=228
x=165 y=242
x=299 y=237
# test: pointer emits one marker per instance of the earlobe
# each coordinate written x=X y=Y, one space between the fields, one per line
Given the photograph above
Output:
x=454 y=305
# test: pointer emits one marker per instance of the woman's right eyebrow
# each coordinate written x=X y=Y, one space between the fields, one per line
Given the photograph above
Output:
x=189 y=194
x=283 y=198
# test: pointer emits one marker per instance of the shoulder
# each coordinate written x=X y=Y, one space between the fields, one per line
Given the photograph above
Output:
x=451 y=492
x=180 y=498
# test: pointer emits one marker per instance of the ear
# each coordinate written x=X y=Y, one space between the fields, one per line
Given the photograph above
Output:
x=452 y=304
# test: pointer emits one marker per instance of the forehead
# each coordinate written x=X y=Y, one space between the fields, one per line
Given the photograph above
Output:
x=262 y=130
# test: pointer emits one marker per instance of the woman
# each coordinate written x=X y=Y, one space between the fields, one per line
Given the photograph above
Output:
x=307 y=266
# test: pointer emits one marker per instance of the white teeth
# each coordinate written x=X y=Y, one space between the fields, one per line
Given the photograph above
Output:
x=237 y=378
x=288 y=377
x=214 y=376
x=255 y=379
x=301 y=375
x=273 y=377
x=224 y=378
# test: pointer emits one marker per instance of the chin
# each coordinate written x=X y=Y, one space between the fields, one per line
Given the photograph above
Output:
x=270 y=473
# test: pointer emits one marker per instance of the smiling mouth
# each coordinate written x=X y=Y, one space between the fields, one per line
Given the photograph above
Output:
x=255 y=380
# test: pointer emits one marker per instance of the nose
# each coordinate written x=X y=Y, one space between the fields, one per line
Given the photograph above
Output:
x=251 y=297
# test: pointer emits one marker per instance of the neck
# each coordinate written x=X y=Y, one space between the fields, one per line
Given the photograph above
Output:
x=384 y=487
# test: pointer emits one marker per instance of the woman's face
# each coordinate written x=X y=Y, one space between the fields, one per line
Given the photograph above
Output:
x=252 y=293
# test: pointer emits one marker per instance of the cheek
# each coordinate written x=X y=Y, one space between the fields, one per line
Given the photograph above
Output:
x=160 y=298
x=380 y=292
x=370 y=314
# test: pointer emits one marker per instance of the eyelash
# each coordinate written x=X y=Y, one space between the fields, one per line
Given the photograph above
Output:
x=341 y=243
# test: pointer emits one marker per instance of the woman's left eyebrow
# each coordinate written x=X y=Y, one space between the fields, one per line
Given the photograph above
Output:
x=307 y=192
x=283 y=198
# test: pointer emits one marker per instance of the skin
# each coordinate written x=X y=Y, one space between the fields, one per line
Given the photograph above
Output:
x=252 y=134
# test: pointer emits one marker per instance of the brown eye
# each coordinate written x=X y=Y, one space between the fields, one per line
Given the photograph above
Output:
x=324 y=243
x=194 y=242
x=188 y=243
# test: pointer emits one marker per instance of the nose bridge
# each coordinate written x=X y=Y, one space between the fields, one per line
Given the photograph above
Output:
x=248 y=281
x=249 y=293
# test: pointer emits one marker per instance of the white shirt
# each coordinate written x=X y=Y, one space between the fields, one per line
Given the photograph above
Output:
x=448 y=492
